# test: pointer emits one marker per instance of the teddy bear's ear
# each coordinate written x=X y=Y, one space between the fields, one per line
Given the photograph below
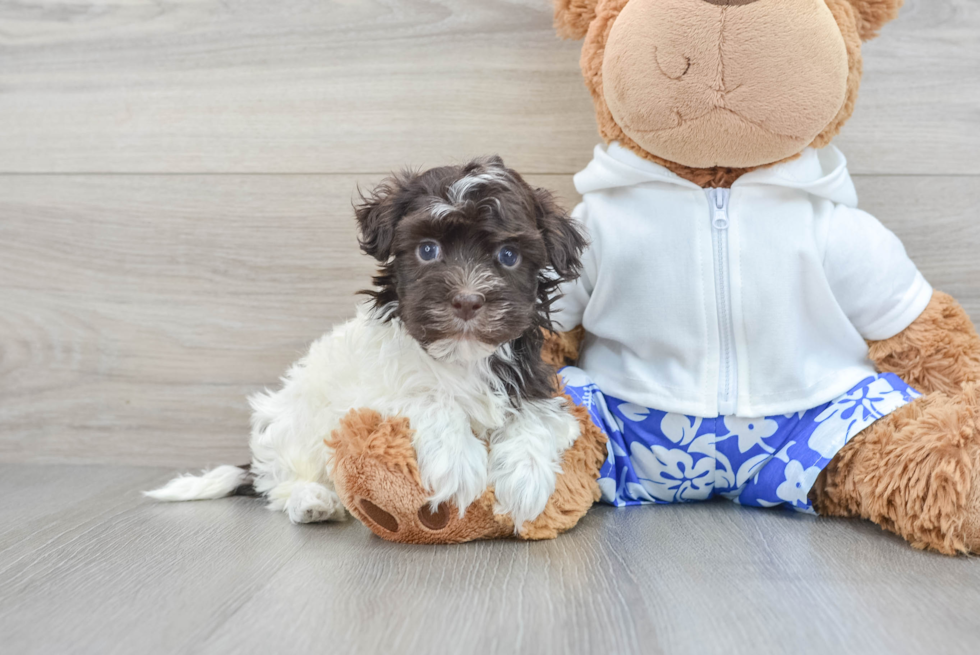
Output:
x=572 y=17
x=873 y=14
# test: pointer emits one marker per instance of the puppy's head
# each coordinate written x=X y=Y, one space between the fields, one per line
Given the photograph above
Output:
x=470 y=255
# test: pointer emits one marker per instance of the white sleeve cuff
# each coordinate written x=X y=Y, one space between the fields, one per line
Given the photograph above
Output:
x=913 y=303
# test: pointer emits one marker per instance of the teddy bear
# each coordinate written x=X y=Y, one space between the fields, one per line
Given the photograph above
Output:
x=749 y=332
x=741 y=328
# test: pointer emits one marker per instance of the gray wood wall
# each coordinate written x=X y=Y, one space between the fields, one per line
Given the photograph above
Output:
x=176 y=180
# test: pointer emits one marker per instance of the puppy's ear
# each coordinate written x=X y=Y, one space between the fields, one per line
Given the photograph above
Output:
x=379 y=211
x=873 y=14
x=491 y=161
x=563 y=238
x=573 y=17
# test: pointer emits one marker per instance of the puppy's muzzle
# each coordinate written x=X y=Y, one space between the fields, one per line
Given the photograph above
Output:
x=467 y=306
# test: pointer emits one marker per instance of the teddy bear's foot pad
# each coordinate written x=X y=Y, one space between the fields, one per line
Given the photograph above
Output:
x=436 y=520
x=379 y=516
x=430 y=520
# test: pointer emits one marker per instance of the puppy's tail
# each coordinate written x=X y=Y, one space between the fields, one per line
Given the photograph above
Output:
x=218 y=482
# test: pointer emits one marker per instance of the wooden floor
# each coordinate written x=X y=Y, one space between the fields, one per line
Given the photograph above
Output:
x=88 y=566
x=176 y=226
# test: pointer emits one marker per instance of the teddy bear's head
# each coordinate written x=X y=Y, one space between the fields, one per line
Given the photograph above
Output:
x=714 y=88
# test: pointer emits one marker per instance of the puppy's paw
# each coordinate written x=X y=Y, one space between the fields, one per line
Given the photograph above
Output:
x=454 y=471
x=523 y=489
x=311 y=502
x=525 y=458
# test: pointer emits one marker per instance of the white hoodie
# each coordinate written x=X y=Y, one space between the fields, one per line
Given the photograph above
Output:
x=755 y=301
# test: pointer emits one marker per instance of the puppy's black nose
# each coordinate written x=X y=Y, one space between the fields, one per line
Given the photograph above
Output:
x=467 y=305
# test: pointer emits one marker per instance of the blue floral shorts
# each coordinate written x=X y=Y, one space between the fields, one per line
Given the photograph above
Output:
x=659 y=457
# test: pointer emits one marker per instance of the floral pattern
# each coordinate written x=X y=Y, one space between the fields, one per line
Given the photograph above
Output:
x=661 y=457
x=672 y=475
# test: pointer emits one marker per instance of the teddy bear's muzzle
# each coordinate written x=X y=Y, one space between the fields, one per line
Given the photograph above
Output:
x=730 y=3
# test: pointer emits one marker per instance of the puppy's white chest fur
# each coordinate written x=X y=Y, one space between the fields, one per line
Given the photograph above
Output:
x=369 y=363
x=457 y=409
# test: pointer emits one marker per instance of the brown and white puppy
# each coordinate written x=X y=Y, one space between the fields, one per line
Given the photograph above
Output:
x=470 y=258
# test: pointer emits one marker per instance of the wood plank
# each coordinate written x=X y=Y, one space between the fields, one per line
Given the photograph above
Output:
x=351 y=86
x=140 y=311
x=228 y=576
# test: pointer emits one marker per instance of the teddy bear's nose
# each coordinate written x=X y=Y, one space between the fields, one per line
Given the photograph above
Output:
x=730 y=3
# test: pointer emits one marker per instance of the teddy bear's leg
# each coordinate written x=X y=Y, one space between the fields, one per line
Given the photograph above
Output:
x=377 y=478
x=915 y=472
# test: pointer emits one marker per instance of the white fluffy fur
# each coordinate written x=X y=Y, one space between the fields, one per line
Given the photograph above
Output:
x=457 y=408
x=525 y=457
x=216 y=483
x=461 y=188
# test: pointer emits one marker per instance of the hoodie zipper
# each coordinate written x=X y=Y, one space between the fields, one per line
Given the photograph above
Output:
x=728 y=365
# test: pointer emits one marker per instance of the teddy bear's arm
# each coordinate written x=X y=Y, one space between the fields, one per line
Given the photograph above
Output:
x=939 y=351
x=561 y=348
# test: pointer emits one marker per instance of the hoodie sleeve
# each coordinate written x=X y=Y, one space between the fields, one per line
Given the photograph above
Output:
x=568 y=310
x=871 y=276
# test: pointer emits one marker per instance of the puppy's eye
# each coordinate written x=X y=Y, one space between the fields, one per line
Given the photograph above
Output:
x=428 y=251
x=508 y=256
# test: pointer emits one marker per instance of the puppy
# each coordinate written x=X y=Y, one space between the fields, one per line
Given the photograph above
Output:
x=470 y=257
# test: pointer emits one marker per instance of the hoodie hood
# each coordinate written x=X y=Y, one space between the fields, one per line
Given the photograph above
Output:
x=822 y=173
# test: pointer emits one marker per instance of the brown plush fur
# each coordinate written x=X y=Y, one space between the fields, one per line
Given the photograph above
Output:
x=873 y=14
x=561 y=348
x=377 y=479
x=971 y=513
x=917 y=471
x=593 y=50
x=572 y=17
x=938 y=352
x=912 y=473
